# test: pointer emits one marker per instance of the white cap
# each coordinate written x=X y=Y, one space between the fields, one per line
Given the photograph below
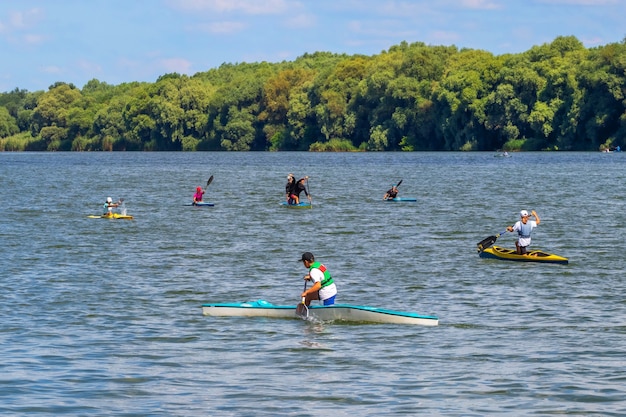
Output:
x=109 y=200
x=523 y=213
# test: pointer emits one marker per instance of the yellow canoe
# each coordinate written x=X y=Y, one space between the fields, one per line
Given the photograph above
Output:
x=505 y=254
x=112 y=216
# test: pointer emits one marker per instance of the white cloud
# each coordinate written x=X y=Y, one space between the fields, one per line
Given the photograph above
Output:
x=179 y=65
x=51 y=69
x=26 y=19
x=223 y=27
x=252 y=7
x=33 y=39
x=481 y=4
x=441 y=37
x=18 y=28
x=581 y=2
x=301 y=21
x=89 y=67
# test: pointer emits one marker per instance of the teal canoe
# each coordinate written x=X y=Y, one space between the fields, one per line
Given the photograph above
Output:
x=301 y=205
x=402 y=200
x=339 y=312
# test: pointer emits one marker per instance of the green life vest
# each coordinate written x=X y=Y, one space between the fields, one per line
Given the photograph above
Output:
x=327 y=278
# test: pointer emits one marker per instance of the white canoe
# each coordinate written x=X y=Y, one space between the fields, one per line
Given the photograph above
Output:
x=342 y=312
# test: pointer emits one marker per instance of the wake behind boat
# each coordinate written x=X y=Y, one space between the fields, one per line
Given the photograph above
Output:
x=338 y=312
x=505 y=254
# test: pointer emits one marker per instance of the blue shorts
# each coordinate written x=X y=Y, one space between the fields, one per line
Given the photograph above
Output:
x=330 y=301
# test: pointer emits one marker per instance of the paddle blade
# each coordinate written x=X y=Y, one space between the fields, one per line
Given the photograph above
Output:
x=399 y=182
x=485 y=243
x=209 y=181
x=302 y=310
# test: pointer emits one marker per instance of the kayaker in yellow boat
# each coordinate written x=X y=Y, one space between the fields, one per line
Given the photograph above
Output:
x=109 y=205
x=324 y=288
x=524 y=228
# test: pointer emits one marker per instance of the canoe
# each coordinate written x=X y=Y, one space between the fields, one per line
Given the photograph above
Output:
x=301 y=205
x=339 y=312
x=114 y=216
x=201 y=204
x=402 y=200
x=505 y=254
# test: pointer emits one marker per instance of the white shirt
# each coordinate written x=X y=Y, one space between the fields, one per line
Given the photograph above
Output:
x=326 y=292
x=524 y=241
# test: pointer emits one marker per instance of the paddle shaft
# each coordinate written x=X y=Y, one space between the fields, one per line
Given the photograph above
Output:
x=308 y=190
x=302 y=309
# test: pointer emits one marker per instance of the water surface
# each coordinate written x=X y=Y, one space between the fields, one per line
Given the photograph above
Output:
x=103 y=317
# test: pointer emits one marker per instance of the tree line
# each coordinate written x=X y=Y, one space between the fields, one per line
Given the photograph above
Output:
x=411 y=97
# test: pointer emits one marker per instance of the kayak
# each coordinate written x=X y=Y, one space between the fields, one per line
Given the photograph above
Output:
x=304 y=204
x=112 y=216
x=402 y=200
x=505 y=254
x=339 y=312
x=201 y=204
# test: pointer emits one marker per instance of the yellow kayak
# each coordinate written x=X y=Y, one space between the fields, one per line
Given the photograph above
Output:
x=505 y=254
x=111 y=216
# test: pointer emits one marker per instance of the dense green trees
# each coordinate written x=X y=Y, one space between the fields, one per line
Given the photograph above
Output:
x=412 y=97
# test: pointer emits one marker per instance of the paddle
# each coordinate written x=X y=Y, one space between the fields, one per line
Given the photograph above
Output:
x=208 y=182
x=302 y=310
x=308 y=190
x=485 y=243
x=399 y=182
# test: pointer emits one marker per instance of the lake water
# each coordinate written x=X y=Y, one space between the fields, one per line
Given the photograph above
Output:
x=103 y=317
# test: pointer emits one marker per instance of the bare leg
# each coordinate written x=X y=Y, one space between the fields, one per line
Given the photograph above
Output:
x=310 y=297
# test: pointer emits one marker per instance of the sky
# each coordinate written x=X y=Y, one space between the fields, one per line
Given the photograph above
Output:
x=116 y=41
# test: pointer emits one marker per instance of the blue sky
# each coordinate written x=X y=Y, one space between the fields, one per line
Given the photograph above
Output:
x=116 y=41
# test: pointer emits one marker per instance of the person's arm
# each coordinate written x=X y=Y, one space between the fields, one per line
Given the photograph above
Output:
x=537 y=219
x=316 y=276
x=315 y=288
x=511 y=228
